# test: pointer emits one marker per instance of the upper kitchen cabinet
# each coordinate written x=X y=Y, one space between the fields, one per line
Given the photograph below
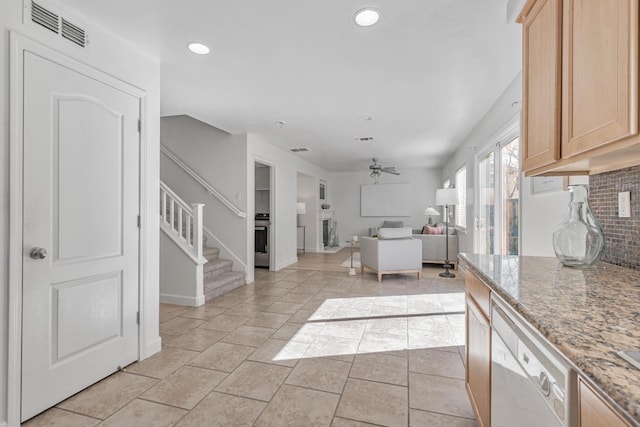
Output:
x=580 y=86
x=541 y=56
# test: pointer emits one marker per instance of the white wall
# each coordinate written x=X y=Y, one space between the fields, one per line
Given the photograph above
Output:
x=344 y=189
x=540 y=213
x=117 y=58
x=180 y=276
x=215 y=155
x=219 y=158
x=283 y=198
x=308 y=193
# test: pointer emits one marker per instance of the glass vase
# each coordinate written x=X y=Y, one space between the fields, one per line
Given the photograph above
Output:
x=578 y=241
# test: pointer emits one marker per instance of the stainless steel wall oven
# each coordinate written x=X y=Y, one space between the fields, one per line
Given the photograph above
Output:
x=262 y=225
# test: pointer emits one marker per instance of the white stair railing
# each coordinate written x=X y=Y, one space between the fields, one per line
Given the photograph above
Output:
x=209 y=189
x=182 y=221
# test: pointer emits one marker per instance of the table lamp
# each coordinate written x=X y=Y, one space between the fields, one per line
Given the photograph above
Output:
x=430 y=211
x=301 y=209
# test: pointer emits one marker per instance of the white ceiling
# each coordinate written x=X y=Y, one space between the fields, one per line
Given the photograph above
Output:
x=426 y=73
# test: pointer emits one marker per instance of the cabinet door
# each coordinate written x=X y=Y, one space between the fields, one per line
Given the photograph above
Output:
x=541 y=55
x=478 y=374
x=594 y=412
x=478 y=291
x=600 y=73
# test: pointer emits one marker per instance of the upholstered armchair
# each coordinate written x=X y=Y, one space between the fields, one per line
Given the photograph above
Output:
x=393 y=252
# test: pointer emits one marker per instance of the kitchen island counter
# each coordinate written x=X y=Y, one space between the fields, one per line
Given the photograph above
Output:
x=588 y=315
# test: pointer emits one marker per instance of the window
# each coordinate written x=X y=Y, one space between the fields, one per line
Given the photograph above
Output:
x=510 y=197
x=486 y=203
x=497 y=201
x=461 y=207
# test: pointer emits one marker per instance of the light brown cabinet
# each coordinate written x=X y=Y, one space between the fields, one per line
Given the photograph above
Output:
x=580 y=86
x=478 y=349
x=595 y=412
x=541 y=56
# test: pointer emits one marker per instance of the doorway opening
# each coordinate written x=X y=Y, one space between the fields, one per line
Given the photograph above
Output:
x=262 y=229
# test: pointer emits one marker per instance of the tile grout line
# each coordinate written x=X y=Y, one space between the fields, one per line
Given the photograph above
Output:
x=326 y=292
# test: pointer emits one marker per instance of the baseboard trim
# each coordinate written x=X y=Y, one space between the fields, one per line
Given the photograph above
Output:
x=152 y=348
x=182 y=300
x=286 y=263
x=249 y=279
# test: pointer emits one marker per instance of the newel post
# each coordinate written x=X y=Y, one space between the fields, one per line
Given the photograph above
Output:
x=197 y=228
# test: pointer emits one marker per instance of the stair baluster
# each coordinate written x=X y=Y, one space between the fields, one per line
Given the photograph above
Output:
x=184 y=221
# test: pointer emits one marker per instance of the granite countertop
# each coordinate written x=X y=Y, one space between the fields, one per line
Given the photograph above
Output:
x=588 y=315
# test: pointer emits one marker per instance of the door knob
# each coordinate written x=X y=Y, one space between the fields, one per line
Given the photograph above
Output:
x=38 y=253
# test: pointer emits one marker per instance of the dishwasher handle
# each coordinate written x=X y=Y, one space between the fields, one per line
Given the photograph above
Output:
x=545 y=385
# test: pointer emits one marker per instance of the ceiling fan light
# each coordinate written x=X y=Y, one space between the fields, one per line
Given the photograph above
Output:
x=366 y=17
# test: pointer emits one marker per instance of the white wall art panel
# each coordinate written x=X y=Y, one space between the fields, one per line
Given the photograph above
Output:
x=385 y=200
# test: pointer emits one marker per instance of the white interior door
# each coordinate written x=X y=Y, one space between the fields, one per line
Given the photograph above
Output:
x=81 y=205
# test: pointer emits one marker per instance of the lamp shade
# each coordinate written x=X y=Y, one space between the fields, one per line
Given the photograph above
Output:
x=301 y=208
x=446 y=196
x=431 y=211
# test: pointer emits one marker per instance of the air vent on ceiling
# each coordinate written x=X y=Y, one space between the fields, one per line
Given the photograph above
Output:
x=298 y=150
x=364 y=138
x=49 y=19
x=73 y=33
x=44 y=17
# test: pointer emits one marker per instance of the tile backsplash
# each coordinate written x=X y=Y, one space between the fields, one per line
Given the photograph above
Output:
x=622 y=235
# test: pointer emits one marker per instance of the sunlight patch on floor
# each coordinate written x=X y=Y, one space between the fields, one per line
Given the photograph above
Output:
x=359 y=325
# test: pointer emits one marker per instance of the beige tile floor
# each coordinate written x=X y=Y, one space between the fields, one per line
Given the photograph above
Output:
x=306 y=346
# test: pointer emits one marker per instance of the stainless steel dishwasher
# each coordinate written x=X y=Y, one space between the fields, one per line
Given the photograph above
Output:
x=530 y=385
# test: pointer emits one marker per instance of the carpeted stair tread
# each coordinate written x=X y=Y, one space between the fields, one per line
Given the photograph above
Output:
x=211 y=254
x=218 y=265
x=223 y=283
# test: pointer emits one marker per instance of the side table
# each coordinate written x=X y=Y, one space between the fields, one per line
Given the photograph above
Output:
x=352 y=270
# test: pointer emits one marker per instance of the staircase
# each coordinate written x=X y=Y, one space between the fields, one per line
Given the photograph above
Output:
x=218 y=277
x=211 y=276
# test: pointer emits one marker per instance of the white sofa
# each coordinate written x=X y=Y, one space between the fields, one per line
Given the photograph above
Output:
x=391 y=255
x=434 y=250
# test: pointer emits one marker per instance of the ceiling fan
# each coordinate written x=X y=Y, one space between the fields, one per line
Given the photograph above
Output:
x=377 y=170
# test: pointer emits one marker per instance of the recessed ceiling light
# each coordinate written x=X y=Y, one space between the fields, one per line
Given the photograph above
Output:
x=198 y=48
x=366 y=17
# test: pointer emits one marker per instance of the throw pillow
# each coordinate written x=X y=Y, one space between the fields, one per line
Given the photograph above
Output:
x=432 y=229
x=392 y=224
x=394 y=233
x=452 y=228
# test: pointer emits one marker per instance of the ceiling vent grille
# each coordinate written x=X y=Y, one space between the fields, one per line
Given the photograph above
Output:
x=73 y=33
x=364 y=139
x=298 y=150
x=52 y=21
x=44 y=17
